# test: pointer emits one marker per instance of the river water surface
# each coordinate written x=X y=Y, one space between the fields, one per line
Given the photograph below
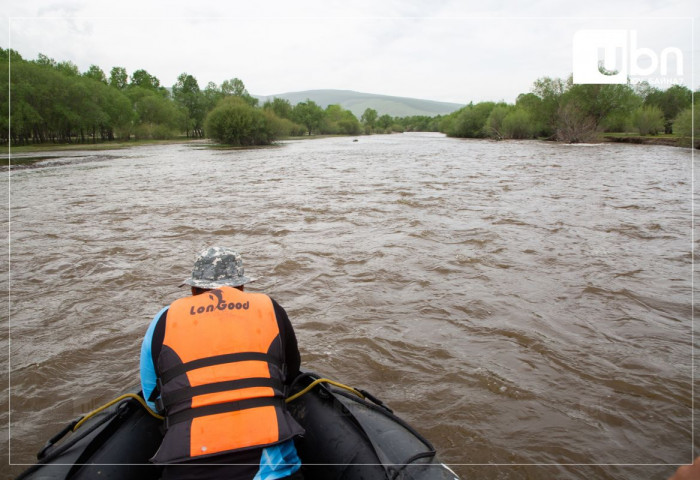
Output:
x=526 y=306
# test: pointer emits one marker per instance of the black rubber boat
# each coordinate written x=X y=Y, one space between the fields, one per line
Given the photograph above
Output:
x=347 y=437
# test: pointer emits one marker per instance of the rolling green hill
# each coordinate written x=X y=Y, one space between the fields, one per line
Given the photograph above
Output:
x=357 y=102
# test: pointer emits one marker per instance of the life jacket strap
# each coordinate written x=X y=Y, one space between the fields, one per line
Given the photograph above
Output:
x=186 y=393
x=218 y=408
x=173 y=372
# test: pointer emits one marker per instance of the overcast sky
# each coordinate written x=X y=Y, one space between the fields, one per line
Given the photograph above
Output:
x=452 y=51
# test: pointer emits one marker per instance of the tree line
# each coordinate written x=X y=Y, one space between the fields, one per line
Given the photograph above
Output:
x=558 y=109
x=53 y=102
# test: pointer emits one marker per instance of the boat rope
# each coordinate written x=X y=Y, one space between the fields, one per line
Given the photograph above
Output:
x=136 y=397
x=324 y=380
x=143 y=403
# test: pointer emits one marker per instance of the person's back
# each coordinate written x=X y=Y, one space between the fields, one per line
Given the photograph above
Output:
x=216 y=364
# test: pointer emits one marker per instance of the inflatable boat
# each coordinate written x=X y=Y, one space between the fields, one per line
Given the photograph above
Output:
x=350 y=434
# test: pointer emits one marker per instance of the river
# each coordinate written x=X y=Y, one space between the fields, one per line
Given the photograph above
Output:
x=525 y=305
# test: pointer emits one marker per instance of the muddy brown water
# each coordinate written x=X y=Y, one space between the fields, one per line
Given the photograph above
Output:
x=527 y=306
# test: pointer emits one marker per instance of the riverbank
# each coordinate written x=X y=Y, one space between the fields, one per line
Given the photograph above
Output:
x=666 y=140
x=20 y=154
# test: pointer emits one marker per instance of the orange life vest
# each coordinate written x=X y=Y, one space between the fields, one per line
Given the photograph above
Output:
x=221 y=372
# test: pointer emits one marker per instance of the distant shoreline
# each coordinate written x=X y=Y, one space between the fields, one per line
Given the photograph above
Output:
x=117 y=145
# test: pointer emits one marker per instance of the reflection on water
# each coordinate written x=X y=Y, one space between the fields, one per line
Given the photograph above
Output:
x=518 y=302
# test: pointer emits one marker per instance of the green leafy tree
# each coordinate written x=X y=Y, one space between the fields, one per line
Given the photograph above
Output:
x=598 y=101
x=211 y=96
x=385 y=121
x=143 y=79
x=187 y=94
x=369 y=119
x=337 y=120
x=118 y=78
x=236 y=88
x=45 y=61
x=534 y=106
x=158 y=117
x=96 y=73
x=68 y=68
x=671 y=101
x=309 y=114
x=280 y=106
x=549 y=91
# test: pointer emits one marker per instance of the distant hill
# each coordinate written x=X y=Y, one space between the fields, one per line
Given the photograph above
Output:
x=357 y=102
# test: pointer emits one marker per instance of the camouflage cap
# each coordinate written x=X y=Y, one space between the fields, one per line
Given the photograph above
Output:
x=217 y=267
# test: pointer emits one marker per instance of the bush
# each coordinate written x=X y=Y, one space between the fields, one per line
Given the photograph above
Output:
x=283 y=127
x=649 y=120
x=683 y=127
x=617 y=122
x=154 y=131
x=518 y=124
x=470 y=121
x=683 y=124
x=235 y=122
x=494 y=124
x=574 y=125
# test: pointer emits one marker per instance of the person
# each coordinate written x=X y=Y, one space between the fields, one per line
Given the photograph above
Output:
x=217 y=364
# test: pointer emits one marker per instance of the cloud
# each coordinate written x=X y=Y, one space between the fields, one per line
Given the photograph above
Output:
x=449 y=50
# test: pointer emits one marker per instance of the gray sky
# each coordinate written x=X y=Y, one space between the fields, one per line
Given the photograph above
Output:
x=452 y=51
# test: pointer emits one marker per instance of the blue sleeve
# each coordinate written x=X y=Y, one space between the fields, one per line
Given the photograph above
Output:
x=148 y=370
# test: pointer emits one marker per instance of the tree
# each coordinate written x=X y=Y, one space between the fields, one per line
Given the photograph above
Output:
x=143 y=79
x=187 y=94
x=671 y=101
x=599 y=101
x=45 y=61
x=236 y=88
x=118 y=78
x=280 y=106
x=549 y=91
x=211 y=95
x=309 y=114
x=96 y=73
x=337 y=120
x=158 y=117
x=385 y=121
x=68 y=68
x=533 y=106
x=369 y=118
